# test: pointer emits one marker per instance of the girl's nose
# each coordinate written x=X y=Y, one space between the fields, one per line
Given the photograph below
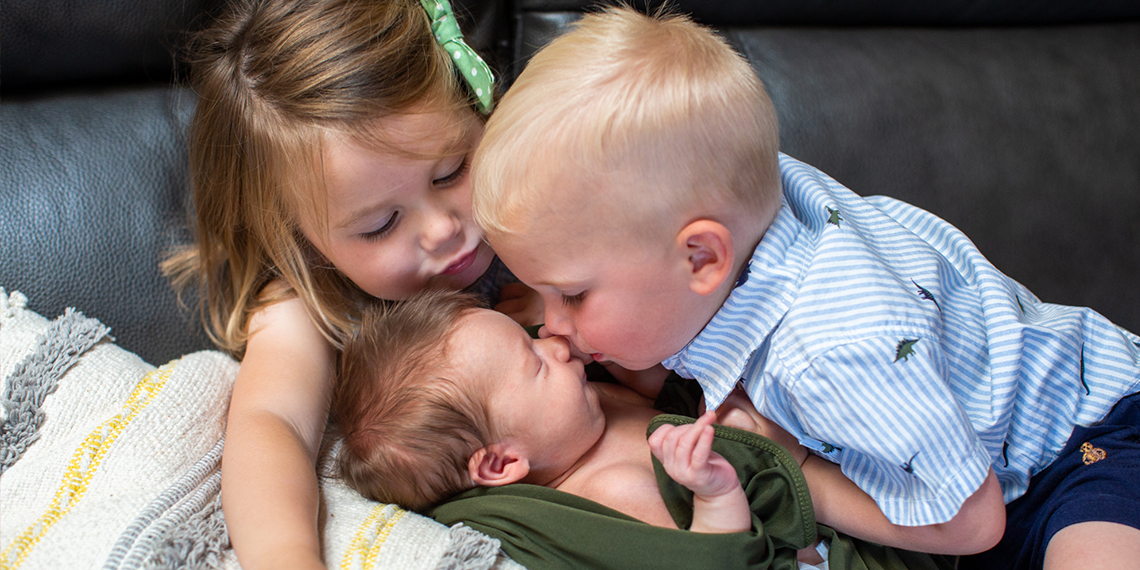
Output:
x=441 y=227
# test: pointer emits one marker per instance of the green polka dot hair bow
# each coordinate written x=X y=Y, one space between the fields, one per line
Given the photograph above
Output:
x=469 y=64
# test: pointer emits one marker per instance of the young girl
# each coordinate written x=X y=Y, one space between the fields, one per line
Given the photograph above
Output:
x=329 y=154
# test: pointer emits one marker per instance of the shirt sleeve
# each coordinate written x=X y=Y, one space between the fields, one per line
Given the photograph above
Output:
x=884 y=406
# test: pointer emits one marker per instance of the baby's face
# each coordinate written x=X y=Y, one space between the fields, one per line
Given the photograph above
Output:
x=618 y=297
x=398 y=224
x=538 y=394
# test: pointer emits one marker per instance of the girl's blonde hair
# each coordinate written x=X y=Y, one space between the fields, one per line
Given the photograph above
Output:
x=653 y=103
x=273 y=79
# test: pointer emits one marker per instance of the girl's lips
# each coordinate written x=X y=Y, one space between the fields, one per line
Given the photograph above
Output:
x=463 y=263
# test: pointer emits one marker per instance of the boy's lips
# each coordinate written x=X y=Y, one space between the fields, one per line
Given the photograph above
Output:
x=463 y=263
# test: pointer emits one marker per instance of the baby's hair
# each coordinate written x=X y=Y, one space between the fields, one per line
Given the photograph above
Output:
x=657 y=99
x=407 y=419
x=274 y=78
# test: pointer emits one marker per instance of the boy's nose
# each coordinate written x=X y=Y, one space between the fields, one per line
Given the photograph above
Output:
x=557 y=322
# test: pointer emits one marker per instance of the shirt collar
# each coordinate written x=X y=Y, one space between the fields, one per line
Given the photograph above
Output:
x=717 y=356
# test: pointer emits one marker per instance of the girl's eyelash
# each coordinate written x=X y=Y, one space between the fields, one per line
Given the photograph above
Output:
x=573 y=300
x=455 y=175
x=384 y=230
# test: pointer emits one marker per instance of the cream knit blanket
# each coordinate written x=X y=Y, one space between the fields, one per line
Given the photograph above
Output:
x=109 y=462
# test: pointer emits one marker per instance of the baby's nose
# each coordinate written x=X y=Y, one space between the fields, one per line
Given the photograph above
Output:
x=559 y=347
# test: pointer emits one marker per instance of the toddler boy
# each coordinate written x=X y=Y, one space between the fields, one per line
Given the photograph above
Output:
x=631 y=176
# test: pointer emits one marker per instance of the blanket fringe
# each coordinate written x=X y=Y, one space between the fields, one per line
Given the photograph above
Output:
x=37 y=377
x=468 y=549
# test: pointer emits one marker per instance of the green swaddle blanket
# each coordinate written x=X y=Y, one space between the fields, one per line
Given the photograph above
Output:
x=543 y=528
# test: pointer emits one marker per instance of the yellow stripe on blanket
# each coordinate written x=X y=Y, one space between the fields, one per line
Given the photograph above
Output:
x=370 y=537
x=83 y=466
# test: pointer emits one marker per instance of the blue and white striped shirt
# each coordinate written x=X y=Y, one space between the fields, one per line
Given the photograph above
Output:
x=880 y=337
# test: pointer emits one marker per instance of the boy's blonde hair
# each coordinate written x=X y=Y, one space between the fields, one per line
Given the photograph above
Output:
x=408 y=421
x=273 y=79
x=655 y=103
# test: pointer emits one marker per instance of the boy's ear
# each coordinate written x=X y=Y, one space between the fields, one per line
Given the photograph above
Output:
x=497 y=464
x=707 y=248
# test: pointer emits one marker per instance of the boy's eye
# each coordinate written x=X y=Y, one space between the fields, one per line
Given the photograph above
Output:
x=454 y=176
x=573 y=300
x=383 y=230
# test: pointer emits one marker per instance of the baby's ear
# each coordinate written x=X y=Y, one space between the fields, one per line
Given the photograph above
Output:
x=707 y=249
x=497 y=464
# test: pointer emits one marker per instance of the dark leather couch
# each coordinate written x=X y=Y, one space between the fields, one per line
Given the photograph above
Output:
x=1018 y=121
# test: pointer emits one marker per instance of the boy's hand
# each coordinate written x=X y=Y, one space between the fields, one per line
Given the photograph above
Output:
x=719 y=503
x=521 y=303
x=686 y=453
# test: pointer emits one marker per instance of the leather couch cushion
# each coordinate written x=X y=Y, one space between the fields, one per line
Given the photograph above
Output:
x=95 y=191
x=1026 y=139
x=65 y=43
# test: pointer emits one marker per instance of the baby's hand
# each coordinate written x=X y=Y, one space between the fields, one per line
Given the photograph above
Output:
x=521 y=303
x=686 y=453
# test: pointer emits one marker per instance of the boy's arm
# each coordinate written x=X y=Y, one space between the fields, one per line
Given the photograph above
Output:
x=276 y=420
x=841 y=504
x=886 y=410
x=719 y=502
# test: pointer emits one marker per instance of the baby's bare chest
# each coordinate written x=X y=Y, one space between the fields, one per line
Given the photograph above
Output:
x=620 y=475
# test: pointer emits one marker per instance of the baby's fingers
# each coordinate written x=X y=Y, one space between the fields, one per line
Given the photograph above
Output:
x=702 y=447
x=684 y=450
x=697 y=443
x=663 y=443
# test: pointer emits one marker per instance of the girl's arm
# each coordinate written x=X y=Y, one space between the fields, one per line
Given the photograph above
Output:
x=685 y=451
x=277 y=417
x=842 y=505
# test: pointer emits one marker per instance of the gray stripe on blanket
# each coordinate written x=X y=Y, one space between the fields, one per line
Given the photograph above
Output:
x=182 y=528
x=37 y=377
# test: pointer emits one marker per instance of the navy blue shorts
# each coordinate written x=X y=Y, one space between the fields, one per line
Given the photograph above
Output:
x=1095 y=478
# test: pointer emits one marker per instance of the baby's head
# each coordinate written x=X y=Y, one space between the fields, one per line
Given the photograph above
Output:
x=319 y=127
x=436 y=396
x=638 y=150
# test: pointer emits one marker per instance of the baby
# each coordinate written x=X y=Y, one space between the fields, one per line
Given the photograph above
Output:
x=437 y=396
